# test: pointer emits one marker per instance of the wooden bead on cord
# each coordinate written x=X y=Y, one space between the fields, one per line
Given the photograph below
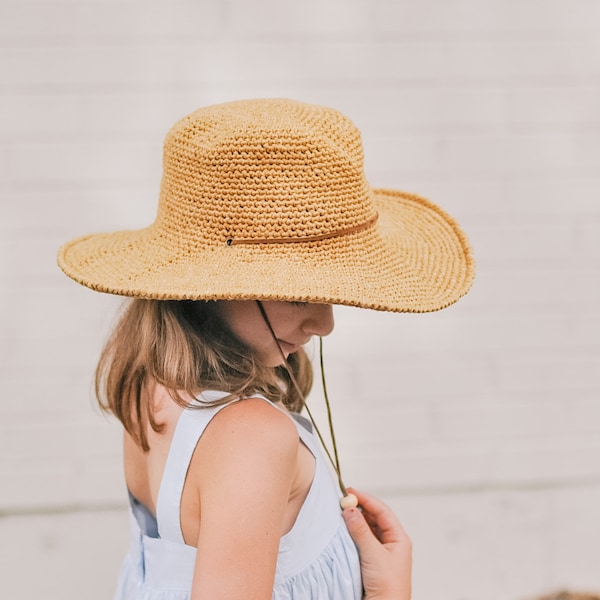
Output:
x=349 y=501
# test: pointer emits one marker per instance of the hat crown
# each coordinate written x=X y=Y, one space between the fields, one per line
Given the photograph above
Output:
x=267 y=169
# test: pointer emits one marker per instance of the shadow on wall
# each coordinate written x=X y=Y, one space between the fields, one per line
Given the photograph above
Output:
x=566 y=595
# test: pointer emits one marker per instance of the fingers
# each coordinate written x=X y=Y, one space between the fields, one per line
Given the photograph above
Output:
x=371 y=504
x=360 y=531
x=381 y=519
x=384 y=548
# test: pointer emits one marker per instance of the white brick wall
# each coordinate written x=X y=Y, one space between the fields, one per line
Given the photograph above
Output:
x=481 y=423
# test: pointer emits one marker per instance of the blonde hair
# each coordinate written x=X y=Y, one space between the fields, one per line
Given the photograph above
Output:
x=184 y=346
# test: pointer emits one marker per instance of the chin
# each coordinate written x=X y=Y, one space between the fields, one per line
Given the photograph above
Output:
x=276 y=361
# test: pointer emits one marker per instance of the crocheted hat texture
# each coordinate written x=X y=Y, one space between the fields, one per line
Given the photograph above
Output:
x=267 y=199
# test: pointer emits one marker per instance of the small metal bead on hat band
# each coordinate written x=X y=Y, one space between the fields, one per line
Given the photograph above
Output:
x=308 y=238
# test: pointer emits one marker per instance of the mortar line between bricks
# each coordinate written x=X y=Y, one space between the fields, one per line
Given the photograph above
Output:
x=484 y=487
x=431 y=490
x=65 y=509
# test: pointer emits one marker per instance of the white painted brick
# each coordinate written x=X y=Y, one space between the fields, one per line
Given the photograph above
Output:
x=559 y=238
x=554 y=108
x=341 y=62
x=75 y=554
x=480 y=424
x=403 y=17
x=398 y=111
x=103 y=115
x=508 y=420
x=31 y=262
x=469 y=464
x=484 y=155
x=582 y=412
x=525 y=286
x=68 y=395
x=313 y=18
x=63 y=162
x=76 y=315
x=65 y=211
x=502 y=544
x=65 y=21
x=406 y=424
x=70 y=471
x=492 y=197
x=406 y=381
x=109 y=18
x=440 y=337
x=553 y=372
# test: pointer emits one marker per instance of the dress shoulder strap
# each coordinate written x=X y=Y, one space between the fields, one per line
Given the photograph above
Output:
x=190 y=427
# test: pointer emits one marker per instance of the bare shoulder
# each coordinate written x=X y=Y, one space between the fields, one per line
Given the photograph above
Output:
x=246 y=462
x=247 y=456
x=248 y=441
x=253 y=422
x=248 y=451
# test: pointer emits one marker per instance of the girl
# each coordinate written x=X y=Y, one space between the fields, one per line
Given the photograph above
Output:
x=265 y=220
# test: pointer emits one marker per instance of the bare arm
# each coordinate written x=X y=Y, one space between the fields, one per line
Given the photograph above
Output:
x=245 y=474
x=384 y=547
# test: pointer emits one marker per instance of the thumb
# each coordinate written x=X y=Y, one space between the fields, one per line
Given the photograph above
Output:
x=359 y=530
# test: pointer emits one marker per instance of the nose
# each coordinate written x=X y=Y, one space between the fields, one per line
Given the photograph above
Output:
x=319 y=320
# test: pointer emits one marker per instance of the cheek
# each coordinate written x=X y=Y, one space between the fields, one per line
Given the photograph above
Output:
x=250 y=327
x=240 y=320
x=252 y=333
x=246 y=322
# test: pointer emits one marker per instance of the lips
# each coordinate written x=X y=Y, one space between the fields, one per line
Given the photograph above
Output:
x=289 y=347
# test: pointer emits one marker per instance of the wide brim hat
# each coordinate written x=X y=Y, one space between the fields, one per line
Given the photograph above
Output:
x=267 y=199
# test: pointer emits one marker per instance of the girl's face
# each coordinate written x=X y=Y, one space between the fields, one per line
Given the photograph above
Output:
x=294 y=324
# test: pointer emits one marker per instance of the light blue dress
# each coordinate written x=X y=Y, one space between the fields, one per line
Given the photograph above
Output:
x=317 y=558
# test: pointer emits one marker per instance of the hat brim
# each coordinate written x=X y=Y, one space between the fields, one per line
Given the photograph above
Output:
x=415 y=259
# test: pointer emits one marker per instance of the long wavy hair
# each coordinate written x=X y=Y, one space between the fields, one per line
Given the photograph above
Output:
x=186 y=347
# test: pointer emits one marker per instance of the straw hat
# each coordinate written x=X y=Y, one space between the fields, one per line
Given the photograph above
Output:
x=267 y=199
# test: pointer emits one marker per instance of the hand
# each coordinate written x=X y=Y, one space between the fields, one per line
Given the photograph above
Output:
x=384 y=548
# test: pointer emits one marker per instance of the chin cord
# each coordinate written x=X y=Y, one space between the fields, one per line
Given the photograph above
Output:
x=349 y=500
